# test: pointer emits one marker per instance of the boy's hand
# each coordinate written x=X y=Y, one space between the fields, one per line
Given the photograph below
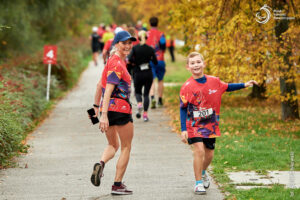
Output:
x=184 y=136
x=250 y=83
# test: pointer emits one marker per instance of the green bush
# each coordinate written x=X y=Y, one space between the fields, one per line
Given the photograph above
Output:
x=23 y=92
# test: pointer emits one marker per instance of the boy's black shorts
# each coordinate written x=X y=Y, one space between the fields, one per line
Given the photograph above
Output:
x=208 y=142
x=117 y=118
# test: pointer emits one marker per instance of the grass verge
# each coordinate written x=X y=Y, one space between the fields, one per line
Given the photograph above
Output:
x=253 y=139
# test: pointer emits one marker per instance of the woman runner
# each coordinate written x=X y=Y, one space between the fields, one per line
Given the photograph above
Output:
x=116 y=120
x=140 y=58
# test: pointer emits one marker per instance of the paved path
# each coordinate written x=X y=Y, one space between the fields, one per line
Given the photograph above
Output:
x=66 y=146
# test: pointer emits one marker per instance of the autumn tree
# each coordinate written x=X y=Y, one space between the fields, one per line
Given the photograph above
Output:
x=237 y=47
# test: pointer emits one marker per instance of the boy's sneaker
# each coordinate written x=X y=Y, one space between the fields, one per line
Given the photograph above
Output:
x=199 y=189
x=120 y=190
x=206 y=181
x=153 y=103
x=139 y=111
x=97 y=174
x=145 y=117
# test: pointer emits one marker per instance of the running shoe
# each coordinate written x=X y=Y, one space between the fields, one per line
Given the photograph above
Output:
x=206 y=181
x=139 y=111
x=120 y=190
x=97 y=174
x=160 y=104
x=153 y=103
x=145 y=117
x=199 y=189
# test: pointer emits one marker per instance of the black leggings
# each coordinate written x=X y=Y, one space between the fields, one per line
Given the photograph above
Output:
x=143 y=79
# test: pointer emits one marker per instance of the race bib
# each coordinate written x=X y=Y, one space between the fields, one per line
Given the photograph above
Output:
x=144 y=66
x=203 y=113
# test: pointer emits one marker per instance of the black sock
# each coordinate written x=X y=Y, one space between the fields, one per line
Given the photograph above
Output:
x=117 y=184
x=152 y=97
x=160 y=100
x=103 y=163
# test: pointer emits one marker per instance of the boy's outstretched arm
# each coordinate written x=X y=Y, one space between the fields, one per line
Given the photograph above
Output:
x=251 y=83
x=238 y=86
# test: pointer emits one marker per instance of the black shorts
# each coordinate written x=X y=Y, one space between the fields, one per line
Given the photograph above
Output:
x=95 y=48
x=208 y=142
x=117 y=118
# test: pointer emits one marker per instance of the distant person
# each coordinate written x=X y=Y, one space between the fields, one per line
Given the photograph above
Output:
x=140 y=57
x=134 y=33
x=108 y=34
x=171 y=46
x=145 y=26
x=139 y=25
x=108 y=46
x=115 y=110
x=157 y=41
x=95 y=39
x=200 y=102
x=100 y=32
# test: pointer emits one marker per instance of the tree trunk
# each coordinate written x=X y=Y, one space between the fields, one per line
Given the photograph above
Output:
x=289 y=107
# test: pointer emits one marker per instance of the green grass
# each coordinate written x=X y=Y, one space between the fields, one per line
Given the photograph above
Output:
x=176 y=72
x=253 y=138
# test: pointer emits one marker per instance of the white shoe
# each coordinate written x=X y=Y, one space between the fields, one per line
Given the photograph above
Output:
x=199 y=189
x=206 y=181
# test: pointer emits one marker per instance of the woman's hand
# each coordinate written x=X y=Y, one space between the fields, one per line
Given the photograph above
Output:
x=184 y=136
x=250 y=83
x=96 y=111
x=104 y=124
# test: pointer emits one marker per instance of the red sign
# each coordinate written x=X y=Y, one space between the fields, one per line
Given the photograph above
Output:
x=50 y=54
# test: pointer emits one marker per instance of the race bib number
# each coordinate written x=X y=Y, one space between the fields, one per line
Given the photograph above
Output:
x=203 y=113
x=144 y=66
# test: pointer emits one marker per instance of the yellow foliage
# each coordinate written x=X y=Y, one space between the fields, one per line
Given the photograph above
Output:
x=236 y=47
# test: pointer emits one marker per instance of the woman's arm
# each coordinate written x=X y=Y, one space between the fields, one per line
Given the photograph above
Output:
x=98 y=96
x=104 y=124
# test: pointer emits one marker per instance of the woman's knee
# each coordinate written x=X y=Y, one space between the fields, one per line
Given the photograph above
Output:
x=115 y=146
x=126 y=147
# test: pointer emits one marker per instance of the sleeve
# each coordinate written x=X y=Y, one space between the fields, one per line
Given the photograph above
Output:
x=106 y=46
x=153 y=56
x=183 y=97
x=162 y=42
x=223 y=86
x=235 y=86
x=114 y=73
x=183 y=115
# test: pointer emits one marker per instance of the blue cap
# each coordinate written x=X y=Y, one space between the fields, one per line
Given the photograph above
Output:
x=123 y=36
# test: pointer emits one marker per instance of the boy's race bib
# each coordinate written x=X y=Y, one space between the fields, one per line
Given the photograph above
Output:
x=144 y=66
x=203 y=113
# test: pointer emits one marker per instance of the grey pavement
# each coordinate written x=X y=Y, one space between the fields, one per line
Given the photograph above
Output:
x=65 y=147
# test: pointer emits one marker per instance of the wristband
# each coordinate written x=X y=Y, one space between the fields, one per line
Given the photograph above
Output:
x=97 y=106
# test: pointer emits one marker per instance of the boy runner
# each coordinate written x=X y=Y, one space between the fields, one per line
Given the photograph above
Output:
x=200 y=101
